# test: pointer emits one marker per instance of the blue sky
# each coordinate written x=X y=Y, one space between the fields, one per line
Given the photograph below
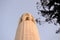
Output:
x=11 y=11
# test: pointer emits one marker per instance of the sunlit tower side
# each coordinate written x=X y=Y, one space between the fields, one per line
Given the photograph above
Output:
x=27 y=29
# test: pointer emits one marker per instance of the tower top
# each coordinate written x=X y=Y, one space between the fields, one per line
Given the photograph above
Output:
x=27 y=17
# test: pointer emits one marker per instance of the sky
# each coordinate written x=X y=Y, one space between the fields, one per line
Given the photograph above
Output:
x=10 y=13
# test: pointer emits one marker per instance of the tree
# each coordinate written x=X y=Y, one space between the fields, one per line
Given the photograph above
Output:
x=51 y=9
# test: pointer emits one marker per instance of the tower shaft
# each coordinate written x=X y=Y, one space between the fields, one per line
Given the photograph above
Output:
x=27 y=30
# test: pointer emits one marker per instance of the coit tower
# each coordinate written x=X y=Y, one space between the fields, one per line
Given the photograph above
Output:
x=27 y=29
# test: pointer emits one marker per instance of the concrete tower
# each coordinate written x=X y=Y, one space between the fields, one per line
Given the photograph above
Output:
x=27 y=29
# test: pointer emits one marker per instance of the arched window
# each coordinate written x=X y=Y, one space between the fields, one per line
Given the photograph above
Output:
x=27 y=18
x=33 y=20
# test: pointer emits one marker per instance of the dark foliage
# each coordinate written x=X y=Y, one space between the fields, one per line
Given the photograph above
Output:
x=52 y=14
x=58 y=31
